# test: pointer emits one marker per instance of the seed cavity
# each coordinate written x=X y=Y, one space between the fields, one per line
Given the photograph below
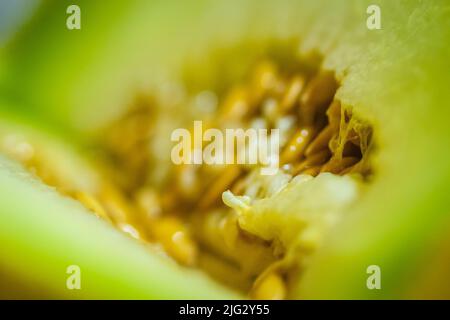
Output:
x=192 y=212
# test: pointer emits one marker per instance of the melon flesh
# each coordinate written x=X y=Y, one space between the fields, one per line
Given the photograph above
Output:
x=395 y=77
x=43 y=233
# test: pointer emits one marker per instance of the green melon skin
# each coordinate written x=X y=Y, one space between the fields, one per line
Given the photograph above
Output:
x=396 y=77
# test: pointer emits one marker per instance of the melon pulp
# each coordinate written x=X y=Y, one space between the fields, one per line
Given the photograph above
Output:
x=392 y=77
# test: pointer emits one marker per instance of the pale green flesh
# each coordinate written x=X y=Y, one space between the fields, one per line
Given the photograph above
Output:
x=43 y=233
x=396 y=77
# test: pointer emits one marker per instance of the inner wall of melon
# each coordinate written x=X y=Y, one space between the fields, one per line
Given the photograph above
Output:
x=250 y=232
